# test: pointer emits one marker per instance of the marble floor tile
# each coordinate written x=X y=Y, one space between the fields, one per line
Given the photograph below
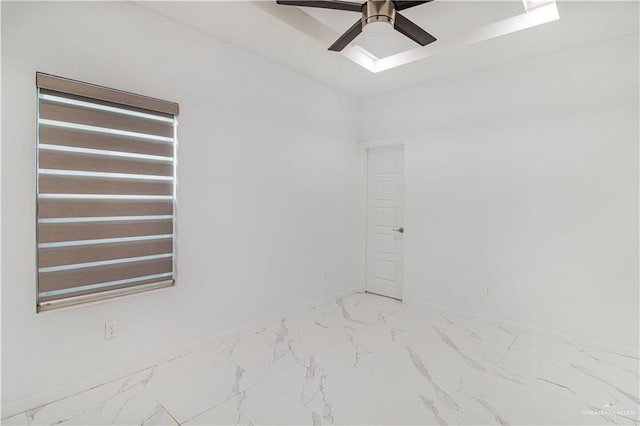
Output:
x=341 y=394
x=284 y=343
x=281 y=344
x=624 y=361
x=260 y=404
x=206 y=379
x=305 y=382
x=122 y=402
x=553 y=394
x=424 y=360
x=485 y=330
x=354 y=311
x=367 y=359
x=368 y=307
x=17 y=420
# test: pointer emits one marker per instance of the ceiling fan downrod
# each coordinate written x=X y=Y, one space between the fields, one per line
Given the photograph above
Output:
x=378 y=11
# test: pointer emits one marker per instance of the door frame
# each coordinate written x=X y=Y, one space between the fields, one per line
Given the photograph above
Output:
x=365 y=146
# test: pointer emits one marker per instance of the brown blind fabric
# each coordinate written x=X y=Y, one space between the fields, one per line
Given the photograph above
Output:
x=101 y=230
x=61 y=136
x=100 y=93
x=106 y=191
x=101 y=208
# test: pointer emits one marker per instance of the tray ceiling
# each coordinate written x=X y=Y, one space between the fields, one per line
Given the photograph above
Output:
x=471 y=35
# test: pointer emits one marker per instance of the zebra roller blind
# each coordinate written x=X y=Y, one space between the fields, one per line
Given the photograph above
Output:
x=106 y=192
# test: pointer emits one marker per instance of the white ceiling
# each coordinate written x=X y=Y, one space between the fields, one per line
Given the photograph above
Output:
x=442 y=19
x=245 y=25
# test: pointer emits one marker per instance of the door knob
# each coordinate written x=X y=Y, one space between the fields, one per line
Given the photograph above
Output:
x=400 y=230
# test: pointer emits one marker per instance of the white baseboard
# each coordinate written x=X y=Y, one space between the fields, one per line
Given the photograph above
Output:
x=47 y=397
x=586 y=341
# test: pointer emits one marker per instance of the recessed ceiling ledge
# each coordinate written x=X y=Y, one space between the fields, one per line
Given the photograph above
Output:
x=537 y=12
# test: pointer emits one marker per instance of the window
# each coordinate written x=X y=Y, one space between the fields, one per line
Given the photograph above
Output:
x=106 y=192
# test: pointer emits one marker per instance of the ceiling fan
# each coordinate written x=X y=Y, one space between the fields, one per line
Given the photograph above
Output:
x=385 y=11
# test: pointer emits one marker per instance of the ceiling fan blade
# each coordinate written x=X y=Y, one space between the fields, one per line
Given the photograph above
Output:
x=411 y=30
x=347 y=37
x=326 y=4
x=402 y=5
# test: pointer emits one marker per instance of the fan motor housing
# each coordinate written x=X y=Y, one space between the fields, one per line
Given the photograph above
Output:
x=378 y=11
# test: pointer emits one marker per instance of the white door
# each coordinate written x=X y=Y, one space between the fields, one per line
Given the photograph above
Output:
x=385 y=170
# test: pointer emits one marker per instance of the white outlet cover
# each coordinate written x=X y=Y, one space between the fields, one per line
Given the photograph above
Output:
x=110 y=330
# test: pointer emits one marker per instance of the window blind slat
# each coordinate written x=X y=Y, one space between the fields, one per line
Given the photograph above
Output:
x=99 y=208
x=89 y=117
x=98 y=163
x=81 y=139
x=105 y=290
x=66 y=98
x=73 y=87
x=51 y=184
x=55 y=232
x=78 y=277
x=97 y=252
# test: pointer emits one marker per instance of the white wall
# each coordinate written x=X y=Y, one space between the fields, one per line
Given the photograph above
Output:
x=524 y=178
x=269 y=170
x=521 y=177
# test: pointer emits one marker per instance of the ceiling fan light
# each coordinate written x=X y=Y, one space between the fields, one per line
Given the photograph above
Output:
x=377 y=30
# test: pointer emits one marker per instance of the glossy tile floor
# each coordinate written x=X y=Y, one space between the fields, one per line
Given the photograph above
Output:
x=366 y=359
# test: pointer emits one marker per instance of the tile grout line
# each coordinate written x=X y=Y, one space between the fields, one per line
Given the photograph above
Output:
x=220 y=403
x=169 y=413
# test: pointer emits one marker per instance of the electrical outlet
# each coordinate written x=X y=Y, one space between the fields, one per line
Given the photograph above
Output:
x=488 y=291
x=110 y=330
x=325 y=275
